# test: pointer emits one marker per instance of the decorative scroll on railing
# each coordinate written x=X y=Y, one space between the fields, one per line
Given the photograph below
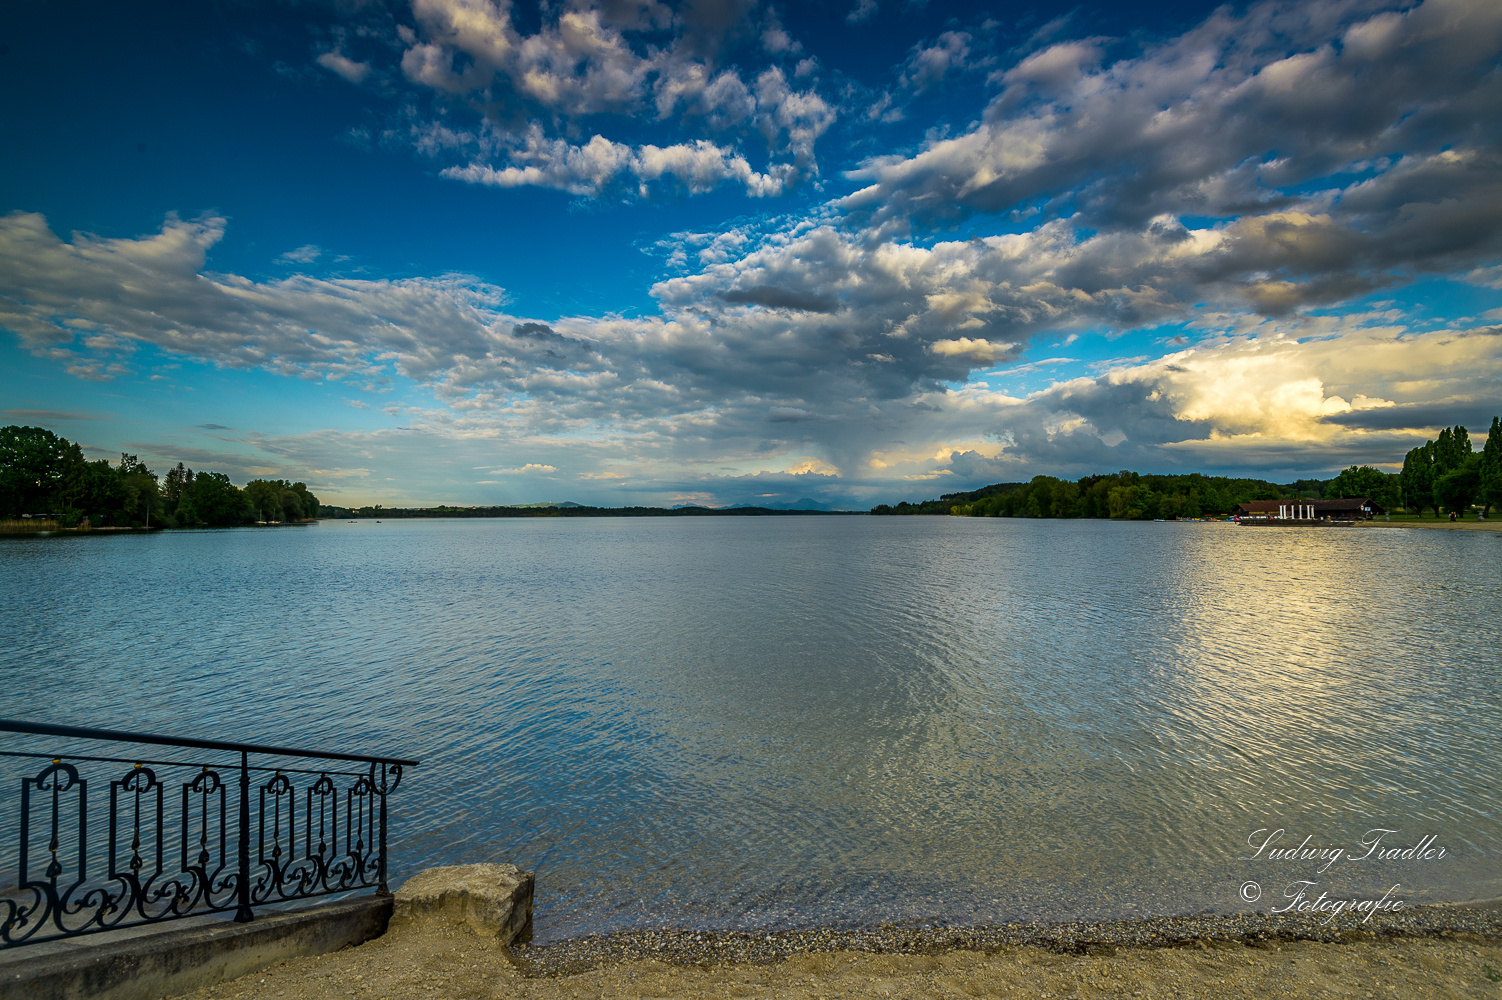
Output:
x=116 y=841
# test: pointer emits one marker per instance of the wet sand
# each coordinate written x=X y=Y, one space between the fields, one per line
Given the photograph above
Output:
x=1431 y=952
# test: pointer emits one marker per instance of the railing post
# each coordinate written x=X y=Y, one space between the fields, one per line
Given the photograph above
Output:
x=243 y=914
x=381 y=869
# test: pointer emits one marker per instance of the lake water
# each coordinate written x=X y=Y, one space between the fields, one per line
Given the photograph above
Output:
x=767 y=722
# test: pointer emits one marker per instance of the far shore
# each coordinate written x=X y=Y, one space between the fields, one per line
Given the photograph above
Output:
x=1448 y=525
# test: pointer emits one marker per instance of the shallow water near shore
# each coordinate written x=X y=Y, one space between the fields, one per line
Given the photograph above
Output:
x=746 y=723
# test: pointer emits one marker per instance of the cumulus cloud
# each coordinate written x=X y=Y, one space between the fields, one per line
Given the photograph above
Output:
x=598 y=164
x=750 y=355
x=1217 y=121
x=618 y=60
x=1278 y=399
x=1228 y=180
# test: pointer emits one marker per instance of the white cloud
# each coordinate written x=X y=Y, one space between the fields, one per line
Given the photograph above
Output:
x=928 y=65
x=979 y=351
x=586 y=63
x=1356 y=392
x=531 y=468
x=553 y=163
x=337 y=62
x=598 y=164
x=305 y=254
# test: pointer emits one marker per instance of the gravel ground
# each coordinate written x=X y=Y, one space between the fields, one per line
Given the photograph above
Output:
x=1083 y=937
x=1428 y=952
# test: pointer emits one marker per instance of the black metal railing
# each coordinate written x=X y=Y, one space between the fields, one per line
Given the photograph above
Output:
x=183 y=838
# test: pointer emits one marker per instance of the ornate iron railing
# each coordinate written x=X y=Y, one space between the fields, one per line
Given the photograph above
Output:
x=183 y=838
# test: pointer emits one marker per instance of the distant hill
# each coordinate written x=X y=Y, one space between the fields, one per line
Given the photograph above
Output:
x=806 y=503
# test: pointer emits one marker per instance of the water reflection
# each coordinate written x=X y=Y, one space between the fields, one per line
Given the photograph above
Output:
x=750 y=722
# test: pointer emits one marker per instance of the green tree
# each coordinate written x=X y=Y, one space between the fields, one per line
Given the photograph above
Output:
x=1489 y=492
x=279 y=500
x=307 y=503
x=177 y=480
x=265 y=496
x=1459 y=487
x=141 y=498
x=1451 y=449
x=1364 y=481
x=35 y=465
x=1417 y=479
x=97 y=491
x=213 y=500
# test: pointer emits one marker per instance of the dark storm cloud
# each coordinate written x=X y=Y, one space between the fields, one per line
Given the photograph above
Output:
x=1469 y=413
x=1216 y=121
x=774 y=297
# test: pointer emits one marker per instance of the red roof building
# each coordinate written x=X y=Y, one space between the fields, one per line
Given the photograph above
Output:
x=1345 y=509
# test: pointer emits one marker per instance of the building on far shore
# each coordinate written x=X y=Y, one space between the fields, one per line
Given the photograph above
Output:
x=1306 y=511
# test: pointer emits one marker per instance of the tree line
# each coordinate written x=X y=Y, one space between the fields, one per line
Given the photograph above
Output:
x=43 y=475
x=1447 y=473
x=1443 y=475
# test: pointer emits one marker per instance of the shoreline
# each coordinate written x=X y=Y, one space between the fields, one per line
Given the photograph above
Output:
x=1481 y=919
x=1435 y=950
x=1446 y=525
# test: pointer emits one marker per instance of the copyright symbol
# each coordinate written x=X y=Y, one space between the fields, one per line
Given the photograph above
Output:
x=1251 y=891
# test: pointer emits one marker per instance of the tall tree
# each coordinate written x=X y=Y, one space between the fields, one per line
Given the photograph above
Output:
x=35 y=465
x=1417 y=478
x=1458 y=488
x=1450 y=449
x=1489 y=492
x=177 y=480
x=141 y=499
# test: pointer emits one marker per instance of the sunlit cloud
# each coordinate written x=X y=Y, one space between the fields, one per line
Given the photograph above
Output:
x=1230 y=199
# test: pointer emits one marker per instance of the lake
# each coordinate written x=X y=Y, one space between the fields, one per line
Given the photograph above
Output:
x=769 y=722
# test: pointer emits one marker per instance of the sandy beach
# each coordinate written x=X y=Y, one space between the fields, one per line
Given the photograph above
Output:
x=1434 y=952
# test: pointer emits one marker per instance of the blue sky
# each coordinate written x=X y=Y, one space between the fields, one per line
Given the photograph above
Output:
x=727 y=251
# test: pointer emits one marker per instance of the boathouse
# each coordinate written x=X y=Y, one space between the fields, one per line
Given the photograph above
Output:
x=1344 y=509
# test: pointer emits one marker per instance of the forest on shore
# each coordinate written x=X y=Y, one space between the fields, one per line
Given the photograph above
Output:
x=46 y=476
x=1442 y=475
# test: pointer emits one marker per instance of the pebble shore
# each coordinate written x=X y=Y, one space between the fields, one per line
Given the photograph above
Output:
x=709 y=948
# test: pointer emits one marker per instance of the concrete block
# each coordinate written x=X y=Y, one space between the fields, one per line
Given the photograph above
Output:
x=493 y=901
x=145 y=963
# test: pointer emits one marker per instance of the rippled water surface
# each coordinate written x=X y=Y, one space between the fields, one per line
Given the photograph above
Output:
x=754 y=722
